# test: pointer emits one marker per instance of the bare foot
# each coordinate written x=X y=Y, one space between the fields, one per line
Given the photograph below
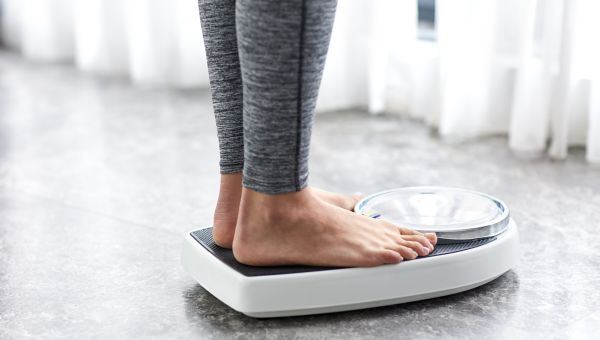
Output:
x=226 y=211
x=230 y=192
x=299 y=228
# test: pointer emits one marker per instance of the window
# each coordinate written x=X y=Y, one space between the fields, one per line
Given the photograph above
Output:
x=426 y=17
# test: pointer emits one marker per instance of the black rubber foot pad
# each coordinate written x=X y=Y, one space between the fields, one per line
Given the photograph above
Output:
x=204 y=237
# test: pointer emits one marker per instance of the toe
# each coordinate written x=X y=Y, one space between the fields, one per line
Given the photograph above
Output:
x=349 y=202
x=417 y=247
x=422 y=239
x=407 y=253
x=432 y=237
x=390 y=256
x=354 y=199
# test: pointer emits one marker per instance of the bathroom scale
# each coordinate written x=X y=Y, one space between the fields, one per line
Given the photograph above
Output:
x=477 y=243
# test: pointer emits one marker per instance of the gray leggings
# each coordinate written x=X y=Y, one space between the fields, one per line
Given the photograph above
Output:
x=265 y=62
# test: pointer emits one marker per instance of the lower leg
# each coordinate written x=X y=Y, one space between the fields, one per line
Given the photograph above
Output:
x=282 y=47
x=218 y=28
x=219 y=31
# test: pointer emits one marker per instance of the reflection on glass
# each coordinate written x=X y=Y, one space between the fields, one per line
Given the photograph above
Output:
x=439 y=209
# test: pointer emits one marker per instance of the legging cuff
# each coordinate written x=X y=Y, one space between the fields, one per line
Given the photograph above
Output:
x=231 y=168
x=275 y=187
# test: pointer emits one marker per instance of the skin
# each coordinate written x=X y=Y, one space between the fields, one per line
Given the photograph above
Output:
x=310 y=227
x=230 y=194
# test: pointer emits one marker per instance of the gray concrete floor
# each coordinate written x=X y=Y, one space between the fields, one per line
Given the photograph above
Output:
x=99 y=181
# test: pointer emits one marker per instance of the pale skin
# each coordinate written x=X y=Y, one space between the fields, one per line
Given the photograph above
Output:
x=309 y=227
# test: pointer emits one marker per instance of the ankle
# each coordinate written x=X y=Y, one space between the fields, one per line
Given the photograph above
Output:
x=256 y=207
x=231 y=181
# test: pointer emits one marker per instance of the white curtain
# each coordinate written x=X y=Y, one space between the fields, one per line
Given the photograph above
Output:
x=154 y=42
x=527 y=68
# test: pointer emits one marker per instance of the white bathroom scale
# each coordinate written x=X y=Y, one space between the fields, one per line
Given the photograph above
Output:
x=477 y=243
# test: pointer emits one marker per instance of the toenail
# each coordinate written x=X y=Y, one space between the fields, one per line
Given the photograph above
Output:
x=426 y=250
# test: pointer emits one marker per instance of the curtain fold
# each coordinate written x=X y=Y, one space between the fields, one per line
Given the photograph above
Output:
x=100 y=43
x=45 y=29
x=155 y=43
x=526 y=68
x=11 y=23
x=165 y=43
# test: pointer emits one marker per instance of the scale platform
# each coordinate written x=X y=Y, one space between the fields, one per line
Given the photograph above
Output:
x=456 y=264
